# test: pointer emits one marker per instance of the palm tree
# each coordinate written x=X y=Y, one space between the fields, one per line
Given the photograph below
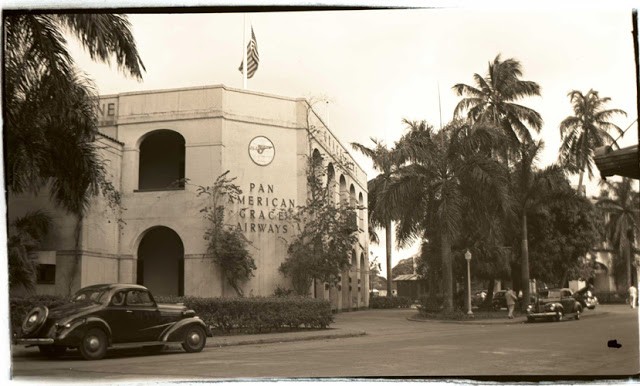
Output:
x=622 y=204
x=381 y=208
x=583 y=132
x=492 y=100
x=530 y=187
x=51 y=117
x=439 y=169
x=25 y=234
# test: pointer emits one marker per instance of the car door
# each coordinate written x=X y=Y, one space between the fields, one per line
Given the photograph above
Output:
x=568 y=301
x=117 y=317
x=143 y=315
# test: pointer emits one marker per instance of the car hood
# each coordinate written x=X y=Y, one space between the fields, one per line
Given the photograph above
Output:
x=74 y=310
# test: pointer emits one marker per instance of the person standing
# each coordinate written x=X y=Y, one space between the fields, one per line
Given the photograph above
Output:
x=511 y=298
x=633 y=296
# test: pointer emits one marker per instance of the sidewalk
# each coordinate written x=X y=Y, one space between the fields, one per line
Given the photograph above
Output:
x=277 y=337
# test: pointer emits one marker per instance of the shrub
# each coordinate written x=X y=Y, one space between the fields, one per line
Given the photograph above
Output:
x=390 y=302
x=611 y=297
x=258 y=314
x=429 y=303
x=18 y=307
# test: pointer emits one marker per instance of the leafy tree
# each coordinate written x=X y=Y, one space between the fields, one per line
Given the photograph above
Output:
x=561 y=233
x=622 y=204
x=25 y=234
x=583 y=132
x=404 y=267
x=322 y=247
x=439 y=170
x=226 y=243
x=381 y=207
x=493 y=100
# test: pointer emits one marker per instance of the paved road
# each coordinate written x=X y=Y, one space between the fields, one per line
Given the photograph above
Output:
x=393 y=346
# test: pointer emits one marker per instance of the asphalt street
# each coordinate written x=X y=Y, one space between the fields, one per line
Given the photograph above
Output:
x=393 y=346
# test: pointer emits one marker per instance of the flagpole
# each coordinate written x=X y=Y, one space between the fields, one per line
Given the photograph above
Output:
x=439 y=107
x=244 y=52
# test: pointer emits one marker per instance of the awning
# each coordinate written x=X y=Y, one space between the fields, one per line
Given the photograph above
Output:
x=624 y=162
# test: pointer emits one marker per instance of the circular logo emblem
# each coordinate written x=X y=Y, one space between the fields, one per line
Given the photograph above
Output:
x=261 y=150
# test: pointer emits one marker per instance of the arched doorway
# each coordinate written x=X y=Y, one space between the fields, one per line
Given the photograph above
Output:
x=161 y=262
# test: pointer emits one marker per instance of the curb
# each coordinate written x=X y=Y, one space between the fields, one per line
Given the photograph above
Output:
x=518 y=320
x=224 y=342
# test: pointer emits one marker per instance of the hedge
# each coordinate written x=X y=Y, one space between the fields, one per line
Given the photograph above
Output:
x=611 y=297
x=389 y=302
x=228 y=315
x=258 y=314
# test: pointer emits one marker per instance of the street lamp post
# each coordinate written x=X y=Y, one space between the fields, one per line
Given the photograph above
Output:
x=467 y=256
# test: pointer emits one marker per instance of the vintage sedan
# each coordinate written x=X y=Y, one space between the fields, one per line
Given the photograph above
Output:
x=586 y=298
x=112 y=315
x=556 y=305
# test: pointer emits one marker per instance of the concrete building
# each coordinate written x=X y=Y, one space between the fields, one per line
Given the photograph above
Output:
x=159 y=147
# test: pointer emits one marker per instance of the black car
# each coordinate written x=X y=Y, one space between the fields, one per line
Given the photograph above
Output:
x=586 y=298
x=112 y=315
x=556 y=305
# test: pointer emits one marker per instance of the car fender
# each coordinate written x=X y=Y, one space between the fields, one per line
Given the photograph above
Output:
x=174 y=333
x=74 y=334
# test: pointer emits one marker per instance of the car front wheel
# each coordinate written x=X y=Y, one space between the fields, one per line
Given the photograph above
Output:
x=559 y=315
x=194 y=339
x=94 y=344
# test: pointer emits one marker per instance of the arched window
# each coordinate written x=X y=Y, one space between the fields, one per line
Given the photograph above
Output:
x=161 y=161
x=331 y=182
x=361 y=210
x=343 y=190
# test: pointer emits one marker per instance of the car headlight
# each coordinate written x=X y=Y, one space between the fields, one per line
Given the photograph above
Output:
x=61 y=326
x=552 y=307
x=529 y=307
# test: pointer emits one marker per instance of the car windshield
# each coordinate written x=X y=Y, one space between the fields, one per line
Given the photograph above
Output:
x=554 y=294
x=89 y=295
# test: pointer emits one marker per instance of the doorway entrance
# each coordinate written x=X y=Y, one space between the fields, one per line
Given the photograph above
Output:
x=161 y=262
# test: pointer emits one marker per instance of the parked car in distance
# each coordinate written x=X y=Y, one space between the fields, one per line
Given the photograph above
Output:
x=111 y=315
x=499 y=300
x=558 y=304
x=586 y=298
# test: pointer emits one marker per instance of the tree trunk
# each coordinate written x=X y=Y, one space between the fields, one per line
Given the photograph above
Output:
x=580 y=188
x=388 y=245
x=75 y=270
x=565 y=277
x=489 y=299
x=628 y=263
x=525 y=263
x=447 y=275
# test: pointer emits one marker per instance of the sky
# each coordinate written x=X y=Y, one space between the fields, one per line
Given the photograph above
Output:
x=375 y=67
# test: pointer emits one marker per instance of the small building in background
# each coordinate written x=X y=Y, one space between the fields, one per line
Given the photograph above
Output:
x=411 y=285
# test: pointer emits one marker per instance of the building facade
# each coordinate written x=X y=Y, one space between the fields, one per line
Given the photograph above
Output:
x=159 y=148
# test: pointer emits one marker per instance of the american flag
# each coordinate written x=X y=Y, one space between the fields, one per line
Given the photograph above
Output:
x=252 y=56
